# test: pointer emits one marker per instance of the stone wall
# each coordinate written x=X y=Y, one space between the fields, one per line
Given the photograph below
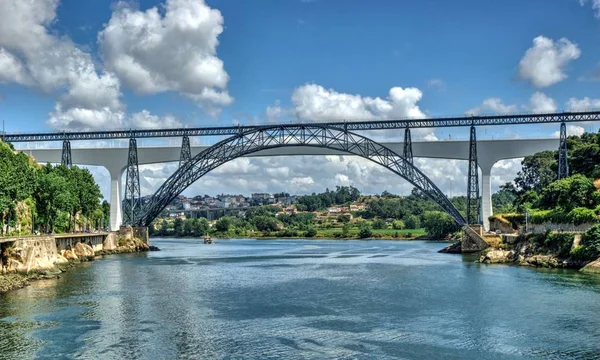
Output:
x=542 y=228
x=505 y=228
x=34 y=253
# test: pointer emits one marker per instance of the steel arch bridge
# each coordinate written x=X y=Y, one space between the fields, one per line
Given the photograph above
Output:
x=254 y=140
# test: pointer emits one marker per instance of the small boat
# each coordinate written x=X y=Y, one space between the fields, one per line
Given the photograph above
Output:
x=208 y=240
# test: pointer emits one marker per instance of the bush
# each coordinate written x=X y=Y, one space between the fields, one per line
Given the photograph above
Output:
x=539 y=216
x=311 y=232
x=590 y=241
x=559 y=243
x=379 y=224
x=365 y=232
x=412 y=222
x=397 y=225
x=581 y=215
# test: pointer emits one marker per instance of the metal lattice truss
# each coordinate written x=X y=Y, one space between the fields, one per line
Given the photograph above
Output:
x=186 y=153
x=132 y=204
x=513 y=119
x=473 y=199
x=65 y=158
x=563 y=164
x=252 y=141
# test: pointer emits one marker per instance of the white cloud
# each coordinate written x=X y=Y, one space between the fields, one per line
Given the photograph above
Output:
x=437 y=83
x=544 y=63
x=595 y=6
x=145 y=120
x=313 y=102
x=541 y=103
x=32 y=55
x=585 y=104
x=155 y=51
x=492 y=105
x=572 y=130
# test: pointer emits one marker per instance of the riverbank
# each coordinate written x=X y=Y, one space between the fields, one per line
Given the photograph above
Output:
x=12 y=279
x=329 y=234
x=552 y=250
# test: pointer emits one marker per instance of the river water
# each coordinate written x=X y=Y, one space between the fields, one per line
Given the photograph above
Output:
x=295 y=299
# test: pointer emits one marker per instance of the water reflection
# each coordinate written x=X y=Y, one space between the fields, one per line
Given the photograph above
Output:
x=302 y=300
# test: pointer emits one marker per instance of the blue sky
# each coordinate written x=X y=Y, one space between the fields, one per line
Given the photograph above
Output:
x=82 y=65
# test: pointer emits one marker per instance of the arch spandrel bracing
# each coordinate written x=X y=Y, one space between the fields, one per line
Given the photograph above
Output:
x=264 y=138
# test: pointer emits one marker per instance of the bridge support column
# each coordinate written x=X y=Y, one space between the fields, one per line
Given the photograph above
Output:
x=486 y=196
x=66 y=154
x=116 y=215
x=116 y=212
x=563 y=163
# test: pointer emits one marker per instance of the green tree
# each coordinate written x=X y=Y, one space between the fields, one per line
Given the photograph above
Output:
x=412 y=222
x=398 y=225
x=310 y=232
x=223 y=224
x=178 y=227
x=379 y=224
x=537 y=171
x=365 y=231
x=439 y=224
x=569 y=193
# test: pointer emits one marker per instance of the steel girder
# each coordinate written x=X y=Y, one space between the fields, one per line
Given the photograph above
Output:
x=514 y=119
x=186 y=153
x=473 y=199
x=563 y=161
x=252 y=141
x=408 y=155
x=66 y=154
x=132 y=203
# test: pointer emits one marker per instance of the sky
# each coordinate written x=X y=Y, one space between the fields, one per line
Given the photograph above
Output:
x=74 y=65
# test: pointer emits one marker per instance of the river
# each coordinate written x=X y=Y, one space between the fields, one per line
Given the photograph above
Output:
x=302 y=299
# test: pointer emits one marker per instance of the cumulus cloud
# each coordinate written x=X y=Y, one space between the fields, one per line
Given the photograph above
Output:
x=572 y=130
x=32 y=55
x=595 y=6
x=313 y=102
x=541 y=103
x=154 y=51
x=492 y=105
x=585 y=104
x=544 y=63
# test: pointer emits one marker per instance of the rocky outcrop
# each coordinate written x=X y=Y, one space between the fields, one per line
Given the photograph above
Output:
x=592 y=268
x=498 y=257
x=84 y=251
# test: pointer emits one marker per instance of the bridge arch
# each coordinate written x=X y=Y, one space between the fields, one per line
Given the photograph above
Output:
x=270 y=137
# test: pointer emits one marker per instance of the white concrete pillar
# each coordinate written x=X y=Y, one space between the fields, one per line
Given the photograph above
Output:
x=116 y=216
x=486 y=195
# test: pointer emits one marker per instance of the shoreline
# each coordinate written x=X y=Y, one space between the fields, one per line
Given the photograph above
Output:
x=10 y=281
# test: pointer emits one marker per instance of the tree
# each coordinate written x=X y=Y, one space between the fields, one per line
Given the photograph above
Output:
x=311 y=232
x=439 y=224
x=365 y=231
x=398 y=225
x=569 y=193
x=346 y=230
x=379 y=224
x=537 y=171
x=412 y=222
x=200 y=227
x=223 y=224
x=178 y=227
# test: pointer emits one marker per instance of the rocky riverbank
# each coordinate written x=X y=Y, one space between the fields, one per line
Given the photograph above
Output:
x=528 y=253
x=15 y=276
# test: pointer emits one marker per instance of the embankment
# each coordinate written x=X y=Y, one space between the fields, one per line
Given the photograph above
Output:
x=551 y=250
x=41 y=257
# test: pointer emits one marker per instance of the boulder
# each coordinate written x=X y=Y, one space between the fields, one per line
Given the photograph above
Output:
x=60 y=260
x=13 y=265
x=497 y=257
x=592 y=268
x=70 y=255
x=84 y=251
